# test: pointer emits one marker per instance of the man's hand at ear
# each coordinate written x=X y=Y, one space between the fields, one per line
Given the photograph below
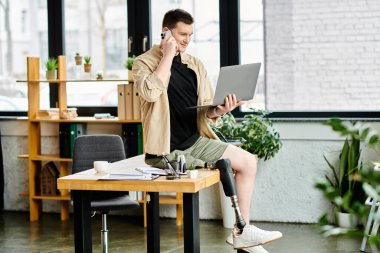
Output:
x=169 y=50
x=168 y=44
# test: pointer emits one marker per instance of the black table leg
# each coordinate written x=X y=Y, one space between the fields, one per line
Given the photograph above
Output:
x=82 y=222
x=153 y=223
x=191 y=222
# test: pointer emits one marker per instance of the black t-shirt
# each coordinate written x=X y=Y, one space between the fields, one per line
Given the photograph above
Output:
x=182 y=93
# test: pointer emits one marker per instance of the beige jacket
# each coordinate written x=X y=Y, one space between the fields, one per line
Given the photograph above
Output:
x=155 y=104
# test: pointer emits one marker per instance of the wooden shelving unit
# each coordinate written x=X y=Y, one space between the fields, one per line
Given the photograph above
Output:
x=35 y=158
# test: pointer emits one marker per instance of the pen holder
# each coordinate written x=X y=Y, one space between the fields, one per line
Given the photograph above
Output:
x=182 y=163
x=175 y=167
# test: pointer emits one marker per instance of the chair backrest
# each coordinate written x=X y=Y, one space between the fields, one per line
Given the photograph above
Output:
x=90 y=148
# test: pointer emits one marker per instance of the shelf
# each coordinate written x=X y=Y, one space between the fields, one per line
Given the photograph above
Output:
x=23 y=156
x=58 y=197
x=85 y=120
x=81 y=120
x=54 y=158
x=74 y=81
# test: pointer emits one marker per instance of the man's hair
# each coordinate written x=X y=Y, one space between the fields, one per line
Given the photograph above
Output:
x=172 y=17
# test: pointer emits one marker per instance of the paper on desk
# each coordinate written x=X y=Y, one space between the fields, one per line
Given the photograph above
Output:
x=128 y=176
x=151 y=170
x=154 y=171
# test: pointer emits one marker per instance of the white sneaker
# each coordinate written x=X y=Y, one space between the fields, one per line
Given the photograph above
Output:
x=253 y=236
x=256 y=249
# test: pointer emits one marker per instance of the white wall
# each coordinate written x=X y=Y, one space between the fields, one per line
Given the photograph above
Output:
x=284 y=185
x=322 y=54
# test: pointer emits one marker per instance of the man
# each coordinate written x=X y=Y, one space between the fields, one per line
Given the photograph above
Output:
x=169 y=81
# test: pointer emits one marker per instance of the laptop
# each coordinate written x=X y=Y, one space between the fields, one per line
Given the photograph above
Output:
x=240 y=80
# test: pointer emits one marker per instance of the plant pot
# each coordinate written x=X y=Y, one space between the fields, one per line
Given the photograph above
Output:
x=51 y=74
x=130 y=75
x=228 y=212
x=346 y=220
x=78 y=60
x=192 y=174
x=87 y=68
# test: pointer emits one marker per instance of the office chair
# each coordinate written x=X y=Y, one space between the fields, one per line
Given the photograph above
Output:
x=90 y=148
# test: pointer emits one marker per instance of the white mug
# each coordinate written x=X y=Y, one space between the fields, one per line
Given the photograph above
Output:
x=101 y=166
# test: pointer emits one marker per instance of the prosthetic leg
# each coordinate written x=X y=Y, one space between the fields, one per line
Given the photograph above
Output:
x=229 y=187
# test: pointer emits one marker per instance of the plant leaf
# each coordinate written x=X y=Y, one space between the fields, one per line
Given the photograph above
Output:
x=332 y=169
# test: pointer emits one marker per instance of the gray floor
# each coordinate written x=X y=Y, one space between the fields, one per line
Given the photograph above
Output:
x=127 y=234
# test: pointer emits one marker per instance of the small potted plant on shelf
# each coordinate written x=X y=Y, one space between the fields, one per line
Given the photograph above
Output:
x=99 y=75
x=87 y=64
x=78 y=59
x=51 y=67
x=128 y=65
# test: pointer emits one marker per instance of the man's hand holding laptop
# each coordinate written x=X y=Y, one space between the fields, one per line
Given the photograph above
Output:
x=230 y=103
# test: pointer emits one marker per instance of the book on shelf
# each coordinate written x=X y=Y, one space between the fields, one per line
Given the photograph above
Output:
x=67 y=134
x=128 y=103
x=139 y=139
x=52 y=113
x=132 y=137
x=121 y=102
x=136 y=104
x=69 y=113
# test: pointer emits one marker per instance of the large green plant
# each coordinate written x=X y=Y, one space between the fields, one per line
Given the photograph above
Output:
x=226 y=127
x=261 y=138
x=341 y=189
x=257 y=131
x=364 y=179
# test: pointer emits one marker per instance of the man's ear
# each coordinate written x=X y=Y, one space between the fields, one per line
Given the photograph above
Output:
x=165 y=29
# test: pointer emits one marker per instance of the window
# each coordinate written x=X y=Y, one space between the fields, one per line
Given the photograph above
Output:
x=252 y=46
x=26 y=35
x=117 y=48
x=97 y=29
x=205 y=40
x=23 y=21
